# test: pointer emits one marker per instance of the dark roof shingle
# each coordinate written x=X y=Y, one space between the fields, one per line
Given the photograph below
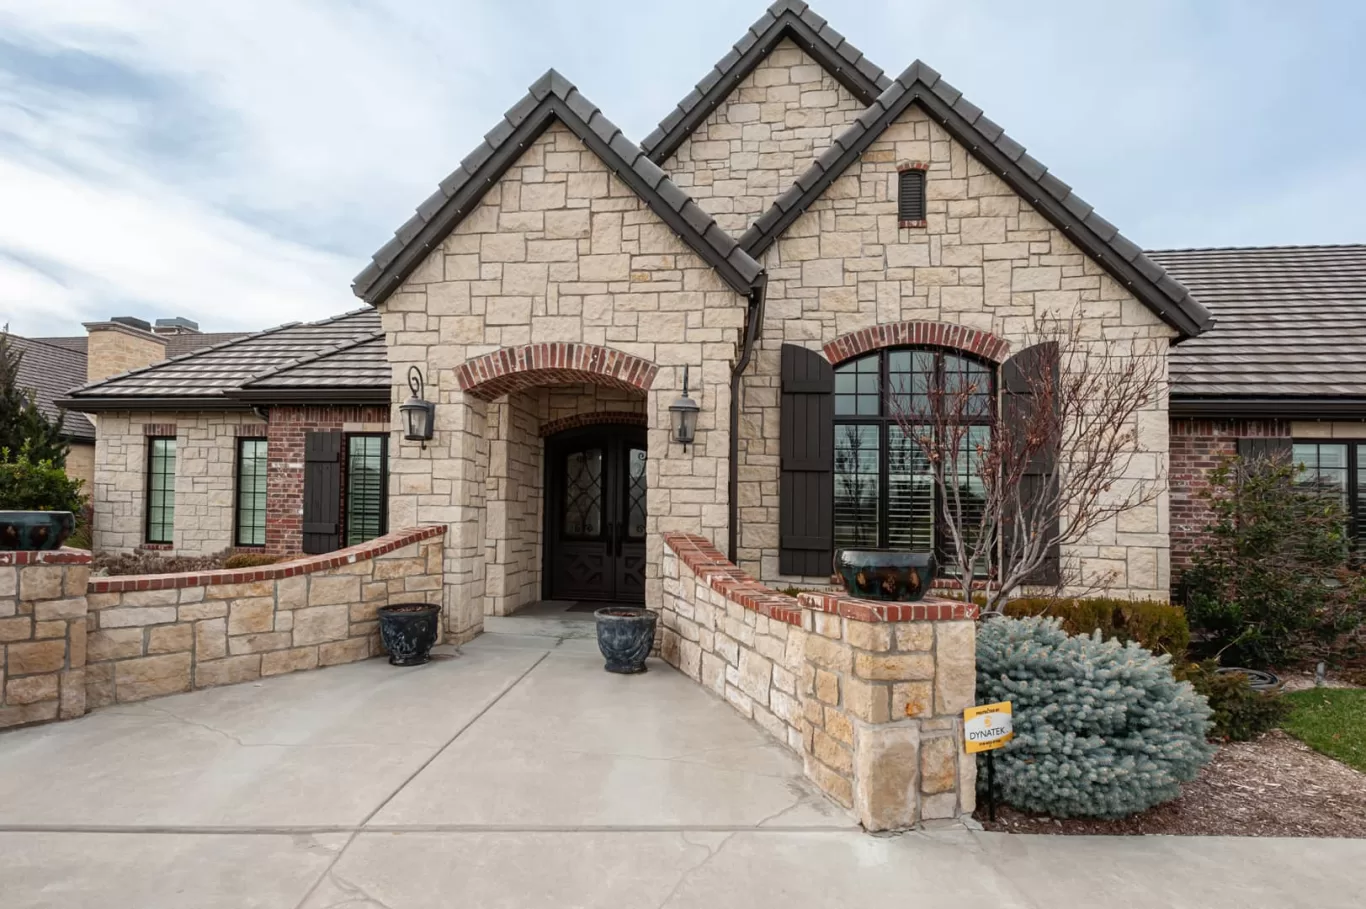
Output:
x=209 y=376
x=1289 y=321
x=52 y=371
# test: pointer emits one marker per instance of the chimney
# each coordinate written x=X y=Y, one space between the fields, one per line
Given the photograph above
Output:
x=176 y=326
x=120 y=344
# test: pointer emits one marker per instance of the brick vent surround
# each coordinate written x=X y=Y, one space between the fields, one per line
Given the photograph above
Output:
x=598 y=418
x=162 y=430
x=938 y=334
x=869 y=694
x=308 y=565
x=513 y=369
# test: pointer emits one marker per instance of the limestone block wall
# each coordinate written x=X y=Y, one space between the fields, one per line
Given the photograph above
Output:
x=206 y=457
x=559 y=251
x=151 y=635
x=80 y=464
x=515 y=490
x=762 y=137
x=870 y=694
x=114 y=348
x=42 y=635
x=985 y=260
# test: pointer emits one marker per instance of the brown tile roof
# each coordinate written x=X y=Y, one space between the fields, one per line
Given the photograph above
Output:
x=52 y=370
x=179 y=345
x=208 y=377
x=1289 y=321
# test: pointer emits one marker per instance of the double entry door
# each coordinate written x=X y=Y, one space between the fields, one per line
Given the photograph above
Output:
x=595 y=514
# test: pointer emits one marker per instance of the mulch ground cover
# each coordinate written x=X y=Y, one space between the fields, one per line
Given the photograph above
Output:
x=1274 y=786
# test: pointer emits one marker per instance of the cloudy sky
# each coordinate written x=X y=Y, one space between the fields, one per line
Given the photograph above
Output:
x=236 y=161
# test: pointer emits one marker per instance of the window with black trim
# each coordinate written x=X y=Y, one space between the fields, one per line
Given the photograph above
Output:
x=910 y=201
x=367 y=507
x=885 y=494
x=160 y=489
x=1335 y=468
x=251 y=492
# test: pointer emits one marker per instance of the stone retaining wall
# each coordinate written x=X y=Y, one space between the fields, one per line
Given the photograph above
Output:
x=72 y=643
x=870 y=694
x=42 y=635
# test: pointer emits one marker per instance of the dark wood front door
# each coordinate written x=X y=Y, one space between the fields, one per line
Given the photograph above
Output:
x=595 y=515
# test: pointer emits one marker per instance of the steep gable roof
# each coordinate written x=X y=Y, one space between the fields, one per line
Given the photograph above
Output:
x=207 y=378
x=785 y=19
x=1051 y=197
x=552 y=98
x=1290 y=339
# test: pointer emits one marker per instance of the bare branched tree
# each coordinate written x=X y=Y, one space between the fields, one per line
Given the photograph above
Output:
x=1039 y=467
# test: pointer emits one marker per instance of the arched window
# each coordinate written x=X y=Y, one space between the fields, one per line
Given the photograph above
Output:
x=885 y=495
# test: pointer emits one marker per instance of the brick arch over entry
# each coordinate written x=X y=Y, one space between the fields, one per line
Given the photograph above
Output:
x=596 y=418
x=516 y=368
x=939 y=334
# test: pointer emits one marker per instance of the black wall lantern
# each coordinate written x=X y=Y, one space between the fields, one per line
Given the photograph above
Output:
x=683 y=414
x=418 y=415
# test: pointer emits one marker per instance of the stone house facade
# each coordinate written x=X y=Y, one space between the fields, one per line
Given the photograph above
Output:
x=565 y=286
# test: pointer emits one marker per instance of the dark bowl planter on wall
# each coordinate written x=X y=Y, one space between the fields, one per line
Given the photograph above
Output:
x=625 y=636
x=30 y=530
x=886 y=574
x=408 y=631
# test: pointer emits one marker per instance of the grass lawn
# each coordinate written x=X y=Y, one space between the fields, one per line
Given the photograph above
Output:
x=1331 y=720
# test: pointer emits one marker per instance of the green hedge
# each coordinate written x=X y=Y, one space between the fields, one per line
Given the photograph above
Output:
x=1158 y=626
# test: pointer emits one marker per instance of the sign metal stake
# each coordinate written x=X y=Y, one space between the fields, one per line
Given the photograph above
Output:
x=991 y=786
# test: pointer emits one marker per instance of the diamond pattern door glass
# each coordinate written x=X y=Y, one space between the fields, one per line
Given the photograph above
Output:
x=583 y=489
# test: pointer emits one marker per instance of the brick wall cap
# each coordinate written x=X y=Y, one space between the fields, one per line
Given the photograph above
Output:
x=63 y=556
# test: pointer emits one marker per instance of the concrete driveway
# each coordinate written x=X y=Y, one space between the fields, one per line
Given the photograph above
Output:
x=519 y=774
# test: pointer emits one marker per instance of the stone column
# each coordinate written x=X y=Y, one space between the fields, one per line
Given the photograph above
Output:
x=42 y=635
x=883 y=690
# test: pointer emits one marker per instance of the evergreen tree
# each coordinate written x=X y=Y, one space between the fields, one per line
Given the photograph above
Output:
x=23 y=427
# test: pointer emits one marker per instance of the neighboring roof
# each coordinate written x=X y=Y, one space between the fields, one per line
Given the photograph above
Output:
x=783 y=20
x=77 y=344
x=206 y=379
x=1053 y=199
x=551 y=98
x=1290 y=335
x=351 y=370
x=52 y=371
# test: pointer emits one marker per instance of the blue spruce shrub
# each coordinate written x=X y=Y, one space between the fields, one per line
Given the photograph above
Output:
x=1102 y=729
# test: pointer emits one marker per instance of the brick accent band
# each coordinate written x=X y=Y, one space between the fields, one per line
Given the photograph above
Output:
x=158 y=429
x=251 y=430
x=937 y=334
x=515 y=368
x=912 y=165
x=721 y=575
x=598 y=418
x=376 y=547
x=63 y=556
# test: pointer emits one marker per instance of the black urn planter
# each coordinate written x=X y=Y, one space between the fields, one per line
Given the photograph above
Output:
x=886 y=574
x=408 y=632
x=625 y=636
x=32 y=530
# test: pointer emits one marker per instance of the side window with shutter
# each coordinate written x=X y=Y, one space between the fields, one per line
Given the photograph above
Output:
x=806 y=485
x=1020 y=375
x=322 y=492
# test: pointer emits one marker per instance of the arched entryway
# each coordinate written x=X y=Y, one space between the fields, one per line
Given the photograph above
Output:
x=595 y=511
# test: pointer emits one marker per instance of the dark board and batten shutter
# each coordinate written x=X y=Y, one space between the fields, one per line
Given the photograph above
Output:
x=910 y=202
x=806 y=484
x=1269 y=449
x=1021 y=374
x=322 y=492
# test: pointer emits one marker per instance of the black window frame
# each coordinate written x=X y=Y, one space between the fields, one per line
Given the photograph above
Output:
x=346 y=514
x=242 y=443
x=1353 y=448
x=167 y=527
x=886 y=419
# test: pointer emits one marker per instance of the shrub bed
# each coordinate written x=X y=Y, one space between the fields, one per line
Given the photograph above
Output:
x=1158 y=626
x=1102 y=728
x=143 y=561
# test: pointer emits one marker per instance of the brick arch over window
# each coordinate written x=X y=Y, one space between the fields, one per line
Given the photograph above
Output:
x=939 y=334
x=516 y=368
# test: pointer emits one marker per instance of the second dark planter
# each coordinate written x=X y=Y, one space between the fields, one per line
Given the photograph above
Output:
x=886 y=574
x=625 y=636
x=408 y=631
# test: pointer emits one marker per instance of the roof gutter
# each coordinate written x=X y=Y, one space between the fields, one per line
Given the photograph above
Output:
x=754 y=321
x=1289 y=407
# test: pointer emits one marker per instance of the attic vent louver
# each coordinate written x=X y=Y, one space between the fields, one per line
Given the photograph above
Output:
x=910 y=202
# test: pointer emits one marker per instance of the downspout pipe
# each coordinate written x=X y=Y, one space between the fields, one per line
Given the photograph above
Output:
x=754 y=323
